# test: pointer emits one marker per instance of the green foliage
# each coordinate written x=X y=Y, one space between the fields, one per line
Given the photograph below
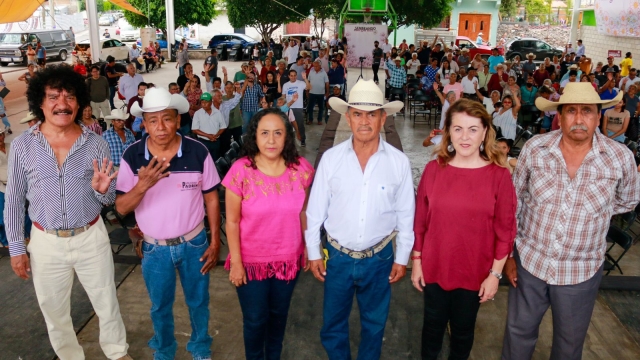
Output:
x=107 y=6
x=186 y=12
x=535 y=8
x=266 y=16
x=508 y=8
x=423 y=13
x=99 y=5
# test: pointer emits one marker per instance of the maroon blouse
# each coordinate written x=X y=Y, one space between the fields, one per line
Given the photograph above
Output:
x=465 y=218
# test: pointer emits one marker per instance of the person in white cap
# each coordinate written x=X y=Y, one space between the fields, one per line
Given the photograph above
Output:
x=166 y=170
x=363 y=196
x=479 y=40
x=118 y=136
x=65 y=200
x=569 y=183
x=30 y=119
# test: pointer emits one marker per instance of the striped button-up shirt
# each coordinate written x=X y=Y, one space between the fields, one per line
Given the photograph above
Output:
x=398 y=75
x=59 y=197
x=563 y=222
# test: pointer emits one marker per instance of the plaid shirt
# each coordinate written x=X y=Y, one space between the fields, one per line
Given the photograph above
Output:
x=251 y=99
x=398 y=75
x=563 y=222
x=116 y=146
x=429 y=77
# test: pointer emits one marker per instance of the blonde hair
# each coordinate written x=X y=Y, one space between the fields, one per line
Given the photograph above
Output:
x=477 y=110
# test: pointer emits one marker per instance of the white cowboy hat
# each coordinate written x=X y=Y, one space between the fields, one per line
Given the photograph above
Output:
x=574 y=67
x=398 y=58
x=464 y=50
x=117 y=114
x=366 y=96
x=577 y=93
x=340 y=52
x=158 y=99
x=27 y=118
x=530 y=55
x=480 y=33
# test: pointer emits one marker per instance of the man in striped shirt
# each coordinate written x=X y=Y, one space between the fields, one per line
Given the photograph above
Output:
x=54 y=165
x=569 y=183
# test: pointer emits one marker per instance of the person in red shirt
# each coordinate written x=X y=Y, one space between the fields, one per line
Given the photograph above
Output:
x=265 y=69
x=453 y=265
x=80 y=68
x=540 y=75
x=497 y=80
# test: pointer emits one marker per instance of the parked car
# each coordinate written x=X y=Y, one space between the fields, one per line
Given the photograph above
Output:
x=232 y=39
x=127 y=31
x=302 y=38
x=193 y=44
x=483 y=50
x=13 y=46
x=105 y=20
x=524 y=46
x=113 y=47
x=162 y=40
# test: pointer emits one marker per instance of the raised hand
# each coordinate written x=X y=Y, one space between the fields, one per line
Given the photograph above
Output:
x=224 y=70
x=304 y=75
x=435 y=86
x=101 y=178
x=294 y=97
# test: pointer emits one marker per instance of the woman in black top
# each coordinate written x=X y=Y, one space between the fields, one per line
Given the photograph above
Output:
x=270 y=88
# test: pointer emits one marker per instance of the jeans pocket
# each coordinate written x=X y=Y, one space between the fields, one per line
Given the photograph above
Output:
x=148 y=248
x=199 y=241
x=384 y=254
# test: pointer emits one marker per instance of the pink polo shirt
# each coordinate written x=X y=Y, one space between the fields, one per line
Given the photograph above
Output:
x=175 y=204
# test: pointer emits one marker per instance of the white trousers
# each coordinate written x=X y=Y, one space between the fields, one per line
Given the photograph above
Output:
x=53 y=262
x=101 y=107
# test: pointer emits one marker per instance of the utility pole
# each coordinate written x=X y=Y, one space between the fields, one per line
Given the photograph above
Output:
x=574 y=21
x=52 y=13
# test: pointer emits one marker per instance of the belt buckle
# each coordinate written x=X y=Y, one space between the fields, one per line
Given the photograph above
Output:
x=173 y=241
x=65 y=232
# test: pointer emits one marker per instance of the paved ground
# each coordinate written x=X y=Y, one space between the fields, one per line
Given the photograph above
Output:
x=607 y=338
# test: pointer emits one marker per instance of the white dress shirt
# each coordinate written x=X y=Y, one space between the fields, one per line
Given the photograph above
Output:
x=128 y=85
x=467 y=85
x=227 y=105
x=208 y=123
x=358 y=208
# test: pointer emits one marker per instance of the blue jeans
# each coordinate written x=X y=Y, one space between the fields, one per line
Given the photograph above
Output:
x=265 y=307
x=112 y=94
x=313 y=100
x=314 y=54
x=368 y=279
x=180 y=70
x=246 y=118
x=5 y=120
x=159 y=266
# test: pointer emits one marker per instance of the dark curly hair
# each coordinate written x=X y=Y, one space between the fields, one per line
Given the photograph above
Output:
x=250 y=146
x=60 y=78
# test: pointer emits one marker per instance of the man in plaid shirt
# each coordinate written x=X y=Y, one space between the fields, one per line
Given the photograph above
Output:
x=252 y=96
x=118 y=137
x=398 y=76
x=569 y=183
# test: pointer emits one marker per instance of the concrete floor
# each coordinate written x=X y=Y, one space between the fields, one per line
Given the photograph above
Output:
x=607 y=337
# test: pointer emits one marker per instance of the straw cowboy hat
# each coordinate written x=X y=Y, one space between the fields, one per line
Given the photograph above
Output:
x=158 y=99
x=464 y=50
x=577 y=93
x=480 y=33
x=531 y=55
x=27 y=118
x=117 y=114
x=366 y=96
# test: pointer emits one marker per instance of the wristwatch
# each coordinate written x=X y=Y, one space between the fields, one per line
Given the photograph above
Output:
x=498 y=275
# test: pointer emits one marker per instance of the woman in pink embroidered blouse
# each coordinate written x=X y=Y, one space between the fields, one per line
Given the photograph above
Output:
x=192 y=92
x=89 y=121
x=266 y=194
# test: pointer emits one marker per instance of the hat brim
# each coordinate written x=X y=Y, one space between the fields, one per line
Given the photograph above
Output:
x=124 y=116
x=342 y=106
x=546 y=105
x=177 y=102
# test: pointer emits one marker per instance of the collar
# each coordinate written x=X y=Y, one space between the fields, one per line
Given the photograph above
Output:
x=553 y=144
x=381 y=144
x=145 y=151
x=35 y=129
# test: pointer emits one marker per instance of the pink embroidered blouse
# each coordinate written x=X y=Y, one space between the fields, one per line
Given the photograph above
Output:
x=271 y=242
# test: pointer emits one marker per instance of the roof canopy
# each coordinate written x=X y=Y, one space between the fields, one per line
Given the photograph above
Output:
x=21 y=10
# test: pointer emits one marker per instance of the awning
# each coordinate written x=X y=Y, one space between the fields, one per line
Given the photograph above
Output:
x=123 y=4
x=20 y=10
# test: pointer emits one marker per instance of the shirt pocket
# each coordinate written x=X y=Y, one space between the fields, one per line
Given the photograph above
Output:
x=598 y=196
x=543 y=186
x=385 y=198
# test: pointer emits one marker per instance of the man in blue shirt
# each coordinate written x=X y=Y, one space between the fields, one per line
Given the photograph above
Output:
x=41 y=54
x=336 y=74
x=118 y=137
x=479 y=39
x=494 y=60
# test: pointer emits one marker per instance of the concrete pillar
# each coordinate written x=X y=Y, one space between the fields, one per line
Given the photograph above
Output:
x=171 y=27
x=52 y=13
x=147 y=34
x=574 y=22
x=94 y=30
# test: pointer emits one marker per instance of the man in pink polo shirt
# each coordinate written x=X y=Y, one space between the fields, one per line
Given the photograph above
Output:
x=168 y=180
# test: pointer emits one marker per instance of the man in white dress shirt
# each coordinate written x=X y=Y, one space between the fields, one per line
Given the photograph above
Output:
x=363 y=195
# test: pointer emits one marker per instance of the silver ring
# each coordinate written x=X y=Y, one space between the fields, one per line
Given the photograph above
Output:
x=492 y=299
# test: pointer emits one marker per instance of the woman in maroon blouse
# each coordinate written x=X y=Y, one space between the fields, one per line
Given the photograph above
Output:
x=464 y=227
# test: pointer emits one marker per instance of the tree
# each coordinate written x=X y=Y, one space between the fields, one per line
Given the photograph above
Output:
x=537 y=9
x=324 y=10
x=508 y=8
x=423 y=13
x=99 y=5
x=186 y=12
x=266 y=16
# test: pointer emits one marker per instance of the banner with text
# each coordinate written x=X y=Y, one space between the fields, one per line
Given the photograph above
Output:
x=618 y=18
x=360 y=38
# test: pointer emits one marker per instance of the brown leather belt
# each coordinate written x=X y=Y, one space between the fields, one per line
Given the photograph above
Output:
x=67 y=232
x=178 y=240
x=362 y=254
